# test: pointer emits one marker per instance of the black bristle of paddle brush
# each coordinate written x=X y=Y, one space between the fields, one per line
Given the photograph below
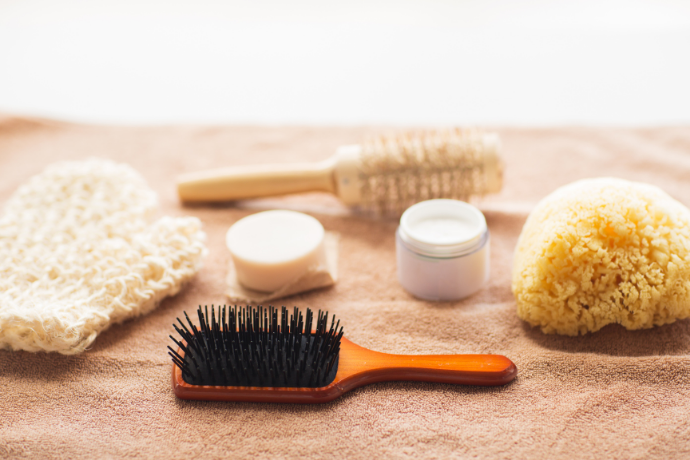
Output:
x=258 y=347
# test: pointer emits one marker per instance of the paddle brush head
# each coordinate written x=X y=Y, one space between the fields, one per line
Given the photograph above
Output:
x=257 y=347
x=398 y=171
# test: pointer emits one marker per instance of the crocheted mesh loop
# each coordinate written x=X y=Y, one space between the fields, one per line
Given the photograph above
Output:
x=78 y=252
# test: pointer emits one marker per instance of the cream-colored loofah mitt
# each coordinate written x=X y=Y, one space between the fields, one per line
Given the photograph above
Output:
x=78 y=253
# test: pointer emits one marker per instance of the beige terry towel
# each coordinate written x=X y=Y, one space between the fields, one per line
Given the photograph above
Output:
x=614 y=394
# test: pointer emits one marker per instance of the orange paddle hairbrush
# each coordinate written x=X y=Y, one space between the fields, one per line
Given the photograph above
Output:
x=261 y=355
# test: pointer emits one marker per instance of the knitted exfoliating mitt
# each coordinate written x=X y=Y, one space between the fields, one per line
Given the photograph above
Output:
x=602 y=251
x=78 y=253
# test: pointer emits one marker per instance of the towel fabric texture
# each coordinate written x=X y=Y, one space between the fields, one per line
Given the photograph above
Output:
x=612 y=394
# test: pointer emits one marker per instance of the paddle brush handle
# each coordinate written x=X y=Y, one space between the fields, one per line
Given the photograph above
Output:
x=255 y=181
x=462 y=369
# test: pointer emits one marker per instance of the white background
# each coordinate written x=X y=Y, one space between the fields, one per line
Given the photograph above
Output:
x=428 y=62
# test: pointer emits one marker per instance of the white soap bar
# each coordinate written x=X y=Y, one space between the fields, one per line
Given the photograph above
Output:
x=273 y=248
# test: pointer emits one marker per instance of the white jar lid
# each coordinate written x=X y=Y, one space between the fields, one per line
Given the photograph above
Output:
x=442 y=228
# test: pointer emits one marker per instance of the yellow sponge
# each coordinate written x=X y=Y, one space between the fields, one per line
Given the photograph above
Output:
x=602 y=251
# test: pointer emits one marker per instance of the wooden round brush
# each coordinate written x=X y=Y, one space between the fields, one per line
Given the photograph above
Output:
x=385 y=174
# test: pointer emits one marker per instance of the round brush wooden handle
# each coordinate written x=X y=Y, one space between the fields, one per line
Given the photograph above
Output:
x=255 y=181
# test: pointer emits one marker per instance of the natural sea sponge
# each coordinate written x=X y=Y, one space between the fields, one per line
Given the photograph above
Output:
x=79 y=251
x=603 y=251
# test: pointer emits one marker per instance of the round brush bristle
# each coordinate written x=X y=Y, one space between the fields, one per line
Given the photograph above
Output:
x=396 y=172
x=258 y=347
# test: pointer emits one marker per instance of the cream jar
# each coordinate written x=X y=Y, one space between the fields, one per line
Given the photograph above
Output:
x=442 y=248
